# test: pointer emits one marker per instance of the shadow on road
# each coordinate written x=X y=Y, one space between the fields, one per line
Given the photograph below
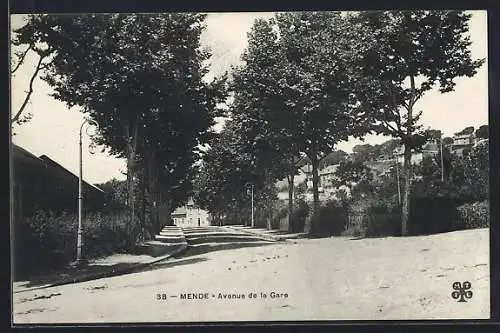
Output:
x=71 y=275
x=94 y=272
x=169 y=264
x=194 y=250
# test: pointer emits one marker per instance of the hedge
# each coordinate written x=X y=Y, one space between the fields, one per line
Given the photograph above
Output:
x=473 y=215
x=47 y=241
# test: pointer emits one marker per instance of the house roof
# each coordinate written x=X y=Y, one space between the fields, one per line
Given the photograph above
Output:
x=44 y=161
x=179 y=211
x=463 y=136
x=329 y=169
x=53 y=163
x=22 y=153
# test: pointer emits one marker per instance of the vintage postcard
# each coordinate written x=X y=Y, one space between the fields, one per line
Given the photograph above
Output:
x=229 y=167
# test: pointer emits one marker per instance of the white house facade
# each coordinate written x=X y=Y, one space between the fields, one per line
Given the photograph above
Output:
x=190 y=215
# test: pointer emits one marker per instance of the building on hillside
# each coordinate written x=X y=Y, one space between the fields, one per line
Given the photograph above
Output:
x=480 y=142
x=282 y=185
x=428 y=150
x=40 y=183
x=462 y=142
x=190 y=215
x=327 y=177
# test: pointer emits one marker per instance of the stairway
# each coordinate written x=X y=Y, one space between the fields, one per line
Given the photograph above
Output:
x=169 y=239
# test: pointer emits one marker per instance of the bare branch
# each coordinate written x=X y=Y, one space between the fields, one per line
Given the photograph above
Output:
x=30 y=91
x=21 y=59
x=391 y=128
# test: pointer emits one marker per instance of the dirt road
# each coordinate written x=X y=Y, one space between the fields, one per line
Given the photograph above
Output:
x=318 y=279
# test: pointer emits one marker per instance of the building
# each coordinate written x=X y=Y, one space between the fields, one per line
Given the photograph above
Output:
x=190 y=215
x=40 y=183
x=462 y=142
x=428 y=150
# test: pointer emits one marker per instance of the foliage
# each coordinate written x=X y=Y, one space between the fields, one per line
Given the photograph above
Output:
x=356 y=175
x=226 y=175
x=299 y=215
x=483 y=132
x=25 y=42
x=142 y=79
x=115 y=196
x=432 y=214
x=47 y=240
x=333 y=158
x=466 y=131
x=330 y=220
x=407 y=53
x=383 y=220
x=474 y=215
x=470 y=173
x=447 y=141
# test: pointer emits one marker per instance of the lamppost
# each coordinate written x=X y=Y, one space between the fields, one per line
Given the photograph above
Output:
x=442 y=161
x=79 y=243
x=250 y=186
x=397 y=177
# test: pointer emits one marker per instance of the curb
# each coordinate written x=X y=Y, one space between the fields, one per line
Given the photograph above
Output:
x=266 y=237
x=111 y=273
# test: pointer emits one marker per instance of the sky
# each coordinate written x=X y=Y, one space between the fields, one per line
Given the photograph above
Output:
x=53 y=129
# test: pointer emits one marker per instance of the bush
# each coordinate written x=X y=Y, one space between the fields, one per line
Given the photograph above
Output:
x=299 y=216
x=383 y=220
x=432 y=214
x=330 y=220
x=47 y=241
x=369 y=218
x=473 y=215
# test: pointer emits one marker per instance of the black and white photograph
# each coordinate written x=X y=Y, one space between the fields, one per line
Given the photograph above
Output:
x=194 y=167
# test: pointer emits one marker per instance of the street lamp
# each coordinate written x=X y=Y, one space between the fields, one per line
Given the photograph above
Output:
x=251 y=186
x=442 y=161
x=79 y=244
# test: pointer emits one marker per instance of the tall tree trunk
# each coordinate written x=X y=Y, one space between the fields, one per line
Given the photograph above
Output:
x=290 y=179
x=309 y=227
x=405 y=214
x=268 y=206
x=131 y=131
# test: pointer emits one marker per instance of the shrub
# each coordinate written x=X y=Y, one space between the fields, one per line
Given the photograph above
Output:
x=432 y=214
x=299 y=216
x=330 y=220
x=47 y=240
x=383 y=220
x=473 y=215
x=356 y=225
x=370 y=218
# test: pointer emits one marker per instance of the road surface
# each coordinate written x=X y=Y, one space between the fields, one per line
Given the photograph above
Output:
x=307 y=279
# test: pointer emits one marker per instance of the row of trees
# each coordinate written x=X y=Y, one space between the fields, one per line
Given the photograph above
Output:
x=141 y=79
x=310 y=80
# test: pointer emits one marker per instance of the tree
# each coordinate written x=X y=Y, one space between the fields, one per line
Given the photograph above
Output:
x=140 y=77
x=27 y=40
x=333 y=158
x=483 y=132
x=466 y=131
x=319 y=50
x=263 y=106
x=356 y=175
x=364 y=152
x=407 y=54
x=447 y=141
x=228 y=165
x=470 y=174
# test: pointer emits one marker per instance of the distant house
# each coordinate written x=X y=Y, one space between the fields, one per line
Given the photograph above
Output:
x=190 y=215
x=41 y=183
x=327 y=176
x=462 y=142
x=428 y=150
